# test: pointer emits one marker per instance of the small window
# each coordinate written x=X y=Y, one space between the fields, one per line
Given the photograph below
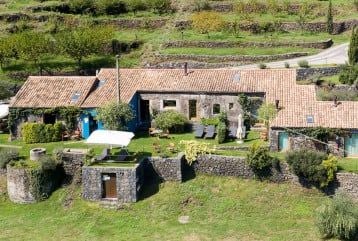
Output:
x=169 y=103
x=216 y=109
x=75 y=97
x=231 y=106
x=310 y=119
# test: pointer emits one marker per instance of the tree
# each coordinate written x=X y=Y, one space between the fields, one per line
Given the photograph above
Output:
x=207 y=21
x=137 y=5
x=115 y=116
x=266 y=113
x=330 y=18
x=33 y=47
x=83 y=42
x=161 y=6
x=303 y=14
x=5 y=90
x=353 y=47
x=5 y=51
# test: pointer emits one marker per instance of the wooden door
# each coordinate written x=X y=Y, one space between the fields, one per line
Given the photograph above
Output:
x=109 y=185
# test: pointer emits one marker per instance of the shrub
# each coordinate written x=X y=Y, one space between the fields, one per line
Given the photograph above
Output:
x=338 y=218
x=47 y=163
x=161 y=6
x=171 y=121
x=349 y=75
x=214 y=121
x=41 y=133
x=222 y=131
x=287 y=65
x=115 y=116
x=259 y=160
x=82 y=6
x=303 y=64
x=8 y=155
x=207 y=21
x=341 y=95
x=316 y=167
x=262 y=66
x=192 y=149
x=111 y=7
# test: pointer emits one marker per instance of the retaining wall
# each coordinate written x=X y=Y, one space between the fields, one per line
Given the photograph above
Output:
x=241 y=59
x=307 y=73
x=348 y=183
x=232 y=44
x=73 y=161
x=168 y=169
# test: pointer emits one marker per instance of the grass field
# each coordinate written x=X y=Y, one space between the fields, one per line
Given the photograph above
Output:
x=219 y=208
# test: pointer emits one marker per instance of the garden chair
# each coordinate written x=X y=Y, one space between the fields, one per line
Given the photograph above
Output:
x=210 y=132
x=199 y=131
x=103 y=156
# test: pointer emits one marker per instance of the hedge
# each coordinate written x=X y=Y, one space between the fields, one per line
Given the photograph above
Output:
x=41 y=133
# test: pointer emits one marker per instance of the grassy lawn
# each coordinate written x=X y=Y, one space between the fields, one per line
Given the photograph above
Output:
x=219 y=208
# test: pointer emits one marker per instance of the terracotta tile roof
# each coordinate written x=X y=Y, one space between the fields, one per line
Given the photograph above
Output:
x=53 y=91
x=297 y=101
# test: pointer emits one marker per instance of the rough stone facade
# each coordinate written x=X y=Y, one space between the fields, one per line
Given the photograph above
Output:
x=204 y=107
x=73 y=160
x=129 y=181
x=348 y=183
x=307 y=73
x=241 y=59
x=168 y=169
x=237 y=167
x=232 y=44
x=21 y=188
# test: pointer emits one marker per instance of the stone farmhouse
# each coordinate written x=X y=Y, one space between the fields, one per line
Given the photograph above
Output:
x=196 y=93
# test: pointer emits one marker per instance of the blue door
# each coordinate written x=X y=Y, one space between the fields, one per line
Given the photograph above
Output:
x=283 y=141
x=351 y=145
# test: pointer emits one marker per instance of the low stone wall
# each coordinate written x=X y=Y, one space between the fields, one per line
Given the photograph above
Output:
x=307 y=73
x=136 y=23
x=21 y=188
x=338 y=27
x=232 y=44
x=237 y=167
x=128 y=182
x=73 y=161
x=168 y=169
x=242 y=59
x=348 y=184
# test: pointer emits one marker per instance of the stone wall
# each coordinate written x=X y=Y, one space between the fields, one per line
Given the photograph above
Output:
x=168 y=169
x=73 y=160
x=338 y=27
x=2 y=171
x=241 y=59
x=21 y=188
x=307 y=73
x=232 y=44
x=191 y=64
x=129 y=181
x=237 y=167
x=205 y=103
x=136 y=23
x=348 y=183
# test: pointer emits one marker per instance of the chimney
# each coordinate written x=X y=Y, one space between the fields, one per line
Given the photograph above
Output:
x=186 y=68
x=335 y=101
x=97 y=71
x=118 y=79
x=277 y=104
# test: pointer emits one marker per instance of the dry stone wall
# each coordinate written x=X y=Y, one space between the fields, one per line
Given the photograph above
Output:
x=348 y=184
x=307 y=73
x=168 y=169
x=232 y=44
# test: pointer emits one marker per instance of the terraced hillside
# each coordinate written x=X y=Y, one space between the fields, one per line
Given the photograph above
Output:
x=162 y=32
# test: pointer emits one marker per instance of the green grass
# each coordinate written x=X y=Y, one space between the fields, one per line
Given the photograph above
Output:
x=348 y=164
x=219 y=208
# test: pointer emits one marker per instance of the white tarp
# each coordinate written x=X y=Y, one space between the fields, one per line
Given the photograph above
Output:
x=112 y=138
x=4 y=110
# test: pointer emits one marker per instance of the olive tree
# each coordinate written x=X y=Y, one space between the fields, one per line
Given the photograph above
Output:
x=266 y=113
x=115 y=116
x=83 y=42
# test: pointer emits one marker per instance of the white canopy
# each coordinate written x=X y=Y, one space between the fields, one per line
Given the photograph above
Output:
x=4 y=110
x=112 y=138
